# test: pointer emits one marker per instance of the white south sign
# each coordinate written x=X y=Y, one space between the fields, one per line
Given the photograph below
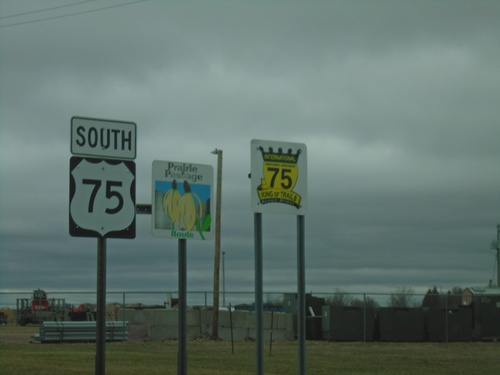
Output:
x=103 y=138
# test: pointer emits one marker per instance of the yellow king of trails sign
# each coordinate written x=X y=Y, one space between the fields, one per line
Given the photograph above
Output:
x=279 y=177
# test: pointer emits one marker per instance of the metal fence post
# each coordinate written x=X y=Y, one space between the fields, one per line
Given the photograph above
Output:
x=446 y=317
x=123 y=307
x=364 y=317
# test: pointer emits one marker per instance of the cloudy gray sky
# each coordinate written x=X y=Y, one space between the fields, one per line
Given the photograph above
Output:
x=397 y=102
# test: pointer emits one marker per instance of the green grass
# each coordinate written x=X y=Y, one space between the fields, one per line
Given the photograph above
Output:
x=206 y=357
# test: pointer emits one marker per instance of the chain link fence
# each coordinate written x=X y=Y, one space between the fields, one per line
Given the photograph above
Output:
x=337 y=316
x=205 y=298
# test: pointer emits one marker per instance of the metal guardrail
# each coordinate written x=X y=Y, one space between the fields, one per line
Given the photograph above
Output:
x=80 y=331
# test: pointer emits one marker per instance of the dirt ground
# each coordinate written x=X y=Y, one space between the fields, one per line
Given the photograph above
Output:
x=11 y=333
x=17 y=334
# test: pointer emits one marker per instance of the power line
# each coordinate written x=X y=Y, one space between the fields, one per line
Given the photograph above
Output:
x=72 y=14
x=46 y=9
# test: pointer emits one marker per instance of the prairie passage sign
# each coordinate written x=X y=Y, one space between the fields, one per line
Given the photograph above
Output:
x=182 y=198
x=279 y=177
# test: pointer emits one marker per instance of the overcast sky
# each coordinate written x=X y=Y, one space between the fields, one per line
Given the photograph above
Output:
x=396 y=101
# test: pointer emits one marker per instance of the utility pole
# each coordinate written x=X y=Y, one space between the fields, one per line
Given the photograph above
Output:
x=215 y=321
x=223 y=279
x=495 y=245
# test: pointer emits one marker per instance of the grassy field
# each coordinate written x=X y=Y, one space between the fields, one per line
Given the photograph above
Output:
x=18 y=356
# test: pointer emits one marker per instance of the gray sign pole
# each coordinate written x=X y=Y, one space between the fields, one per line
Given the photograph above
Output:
x=182 y=354
x=100 y=358
x=259 y=334
x=276 y=188
x=301 y=293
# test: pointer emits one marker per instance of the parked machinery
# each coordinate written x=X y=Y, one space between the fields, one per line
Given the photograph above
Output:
x=39 y=308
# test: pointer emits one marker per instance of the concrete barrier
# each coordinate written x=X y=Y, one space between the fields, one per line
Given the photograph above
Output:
x=161 y=324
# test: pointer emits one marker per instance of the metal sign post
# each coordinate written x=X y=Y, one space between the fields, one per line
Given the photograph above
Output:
x=279 y=185
x=182 y=354
x=259 y=333
x=301 y=294
x=100 y=358
x=181 y=208
x=102 y=197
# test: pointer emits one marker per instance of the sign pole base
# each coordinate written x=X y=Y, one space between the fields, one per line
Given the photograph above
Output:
x=301 y=295
x=100 y=359
x=259 y=334
x=182 y=354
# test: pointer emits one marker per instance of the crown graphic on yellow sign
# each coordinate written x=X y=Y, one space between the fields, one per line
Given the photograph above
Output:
x=280 y=176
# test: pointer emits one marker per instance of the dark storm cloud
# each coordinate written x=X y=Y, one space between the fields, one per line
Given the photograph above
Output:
x=397 y=102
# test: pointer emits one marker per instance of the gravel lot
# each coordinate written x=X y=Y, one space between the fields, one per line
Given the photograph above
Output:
x=17 y=334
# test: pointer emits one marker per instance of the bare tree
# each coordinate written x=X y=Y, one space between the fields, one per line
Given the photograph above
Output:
x=439 y=299
x=432 y=299
x=339 y=298
x=455 y=297
x=402 y=297
x=366 y=302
